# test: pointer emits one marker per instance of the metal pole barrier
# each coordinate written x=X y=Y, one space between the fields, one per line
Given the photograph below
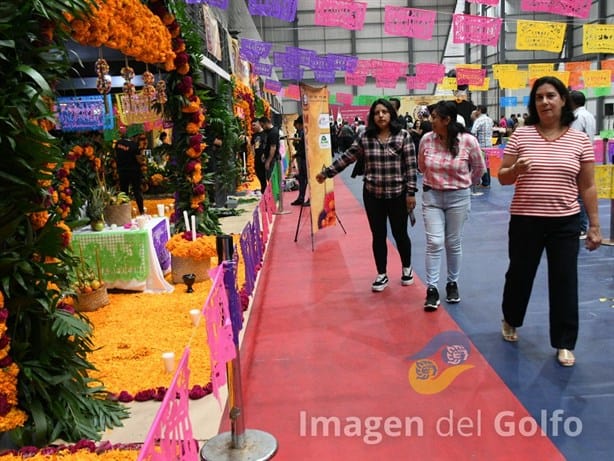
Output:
x=239 y=444
x=280 y=205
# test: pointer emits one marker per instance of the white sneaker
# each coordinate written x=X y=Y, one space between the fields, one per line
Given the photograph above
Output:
x=408 y=276
x=380 y=282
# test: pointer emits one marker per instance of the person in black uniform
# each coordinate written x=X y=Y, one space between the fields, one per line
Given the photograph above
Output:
x=259 y=144
x=301 y=162
x=129 y=169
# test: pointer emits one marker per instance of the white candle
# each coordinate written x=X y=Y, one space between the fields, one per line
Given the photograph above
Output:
x=195 y=316
x=186 y=221
x=193 y=227
x=244 y=164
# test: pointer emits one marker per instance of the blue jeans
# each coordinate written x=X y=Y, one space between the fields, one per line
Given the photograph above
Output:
x=445 y=213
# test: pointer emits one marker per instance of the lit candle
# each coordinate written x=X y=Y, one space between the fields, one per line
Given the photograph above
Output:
x=244 y=164
x=193 y=227
x=186 y=221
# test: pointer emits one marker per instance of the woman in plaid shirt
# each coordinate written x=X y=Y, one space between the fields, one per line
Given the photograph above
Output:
x=451 y=161
x=390 y=171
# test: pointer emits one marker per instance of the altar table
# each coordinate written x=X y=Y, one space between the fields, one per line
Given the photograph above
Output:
x=130 y=259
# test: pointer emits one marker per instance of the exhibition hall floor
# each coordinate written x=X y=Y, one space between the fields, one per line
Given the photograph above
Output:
x=334 y=371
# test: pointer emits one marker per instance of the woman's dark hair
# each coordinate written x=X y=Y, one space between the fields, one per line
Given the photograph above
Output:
x=448 y=109
x=567 y=115
x=372 y=128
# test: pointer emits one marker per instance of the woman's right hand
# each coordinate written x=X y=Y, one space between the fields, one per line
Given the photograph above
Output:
x=320 y=178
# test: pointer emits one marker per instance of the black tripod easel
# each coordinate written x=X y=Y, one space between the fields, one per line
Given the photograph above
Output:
x=300 y=215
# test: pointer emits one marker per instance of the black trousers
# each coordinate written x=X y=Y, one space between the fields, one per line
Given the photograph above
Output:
x=301 y=163
x=379 y=212
x=132 y=179
x=261 y=173
x=528 y=237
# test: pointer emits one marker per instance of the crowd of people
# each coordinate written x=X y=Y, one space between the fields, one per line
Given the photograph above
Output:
x=548 y=157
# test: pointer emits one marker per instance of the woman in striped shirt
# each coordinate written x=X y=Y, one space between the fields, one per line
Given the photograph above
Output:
x=549 y=163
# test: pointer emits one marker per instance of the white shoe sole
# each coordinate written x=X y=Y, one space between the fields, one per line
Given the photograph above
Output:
x=379 y=288
x=406 y=283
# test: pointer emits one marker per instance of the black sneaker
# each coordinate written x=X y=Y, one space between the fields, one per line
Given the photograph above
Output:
x=432 y=299
x=408 y=276
x=380 y=282
x=452 y=295
x=298 y=202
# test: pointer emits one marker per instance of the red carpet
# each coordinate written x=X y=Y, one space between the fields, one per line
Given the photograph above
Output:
x=336 y=372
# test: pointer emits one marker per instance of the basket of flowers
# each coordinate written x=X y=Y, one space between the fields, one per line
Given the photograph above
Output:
x=191 y=256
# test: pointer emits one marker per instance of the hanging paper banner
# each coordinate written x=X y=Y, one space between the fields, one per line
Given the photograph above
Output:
x=597 y=78
x=272 y=86
x=318 y=151
x=562 y=75
x=604 y=180
x=576 y=8
x=485 y=86
x=485 y=2
x=254 y=50
x=386 y=81
x=498 y=69
x=301 y=56
x=540 y=35
x=344 y=98
x=363 y=67
x=575 y=69
x=280 y=9
x=324 y=76
x=466 y=76
x=320 y=63
x=449 y=83
x=343 y=62
x=81 y=113
x=508 y=101
x=262 y=69
x=379 y=67
x=340 y=13
x=222 y=4
x=135 y=109
x=598 y=38
x=608 y=64
x=479 y=30
x=292 y=73
x=430 y=72
x=415 y=83
x=409 y=22
x=355 y=79
x=292 y=92
x=354 y=111
x=285 y=60
x=540 y=70
x=514 y=80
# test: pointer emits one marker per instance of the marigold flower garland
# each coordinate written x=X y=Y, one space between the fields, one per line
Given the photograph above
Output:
x=128 y=26
x=182 y=245
x=10 y=416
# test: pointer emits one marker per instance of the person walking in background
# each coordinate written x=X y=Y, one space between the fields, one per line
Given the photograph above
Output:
x=550 y=163
x=451 y=161
x=396 y=103
x=585 y=122
x=129 y=168
x=482 y=130
x=258 y=142
x=301 y=162
x=389 y=185
x=271 y=152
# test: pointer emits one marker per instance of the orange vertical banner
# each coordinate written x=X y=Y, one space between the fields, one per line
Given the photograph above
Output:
x=316 y=121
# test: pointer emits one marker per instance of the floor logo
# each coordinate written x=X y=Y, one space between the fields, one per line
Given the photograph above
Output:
x=433 y=371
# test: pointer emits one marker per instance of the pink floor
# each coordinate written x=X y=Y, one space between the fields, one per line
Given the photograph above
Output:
x=336 y=372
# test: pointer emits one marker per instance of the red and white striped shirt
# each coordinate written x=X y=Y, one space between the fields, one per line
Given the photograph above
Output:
x=550 y=187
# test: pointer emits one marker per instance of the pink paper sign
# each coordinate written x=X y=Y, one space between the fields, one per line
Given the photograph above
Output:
x=355 y=79
x=485 y=2
x=340 y=13
x=386 y=81
x=430 y=72
x=476 y=29
x=409 y=22
x=576 y=8
x=383 y=68
x=415 y=83
x=219 y=330
x=292 y=92
x=466 y=76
